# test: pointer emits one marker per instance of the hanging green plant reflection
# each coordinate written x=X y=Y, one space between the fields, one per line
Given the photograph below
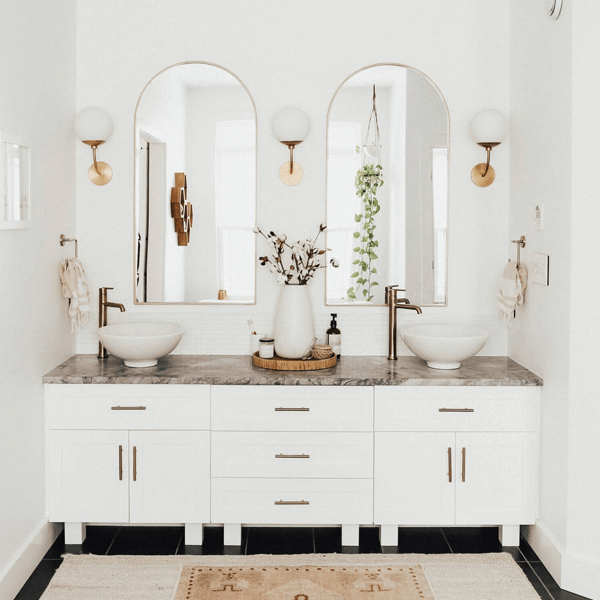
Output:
x=368 y=180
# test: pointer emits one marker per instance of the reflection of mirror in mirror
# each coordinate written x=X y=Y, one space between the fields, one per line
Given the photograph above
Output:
x=15 y=173
x=387 y=187
x=199 y=120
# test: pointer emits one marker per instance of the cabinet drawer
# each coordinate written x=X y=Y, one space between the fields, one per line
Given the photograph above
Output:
x=292 y=408
x=292 y=501
x=329 y=455
x=128 y=406
x=456 y=408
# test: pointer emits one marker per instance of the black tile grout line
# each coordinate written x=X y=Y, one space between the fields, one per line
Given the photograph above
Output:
x=181 y=540
x=536 y=574
x=112 y=541
x=248 y=530
x=447 y=542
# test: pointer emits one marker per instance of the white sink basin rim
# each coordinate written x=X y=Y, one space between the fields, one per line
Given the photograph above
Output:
x=444 y=346
x=140 y=344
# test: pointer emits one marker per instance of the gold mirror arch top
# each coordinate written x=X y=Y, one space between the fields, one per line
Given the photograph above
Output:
x=187 y=206
x=447 y=136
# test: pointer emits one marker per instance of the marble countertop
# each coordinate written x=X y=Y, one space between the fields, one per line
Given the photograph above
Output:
x=239 y=370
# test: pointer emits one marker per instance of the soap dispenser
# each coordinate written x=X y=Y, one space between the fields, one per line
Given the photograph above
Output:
x=334 y=337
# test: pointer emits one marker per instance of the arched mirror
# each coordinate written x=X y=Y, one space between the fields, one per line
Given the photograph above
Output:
x=195 y=188
x=387 y=187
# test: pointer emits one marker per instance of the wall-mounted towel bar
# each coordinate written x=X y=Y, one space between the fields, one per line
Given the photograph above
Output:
x=64 y=240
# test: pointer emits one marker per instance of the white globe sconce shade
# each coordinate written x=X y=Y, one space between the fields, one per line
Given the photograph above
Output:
x=93 y=127
x=290 y=126
x=488 y=129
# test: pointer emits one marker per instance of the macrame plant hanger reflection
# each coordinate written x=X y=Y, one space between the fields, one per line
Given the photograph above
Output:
x=374 y=149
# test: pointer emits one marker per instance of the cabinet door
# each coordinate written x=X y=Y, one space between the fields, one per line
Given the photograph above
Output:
x=496 y=478
x=169 y=476
x=87 y=476
x=414 y=478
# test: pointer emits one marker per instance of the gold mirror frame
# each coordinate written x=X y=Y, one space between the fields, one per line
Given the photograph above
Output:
x=135 y=157
x=367 y=304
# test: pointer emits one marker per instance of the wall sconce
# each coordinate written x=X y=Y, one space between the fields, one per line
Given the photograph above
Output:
x=93 y=127
x=290 y=126
x=488 y=129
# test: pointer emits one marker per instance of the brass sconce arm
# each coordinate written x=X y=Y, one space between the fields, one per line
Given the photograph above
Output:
x=94 y=144
x=483 y=174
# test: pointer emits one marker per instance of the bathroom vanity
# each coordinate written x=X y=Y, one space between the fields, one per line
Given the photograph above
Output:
x=368 y=442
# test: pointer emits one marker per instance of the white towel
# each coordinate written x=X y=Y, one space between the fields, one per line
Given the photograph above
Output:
x=74 y=287
x=511 y=291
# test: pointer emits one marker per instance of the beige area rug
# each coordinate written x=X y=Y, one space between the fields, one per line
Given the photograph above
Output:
x=293 y=577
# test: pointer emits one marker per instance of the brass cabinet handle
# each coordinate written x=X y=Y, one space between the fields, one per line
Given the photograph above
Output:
x=464 y=463
x=461 y=410
x=291 y=502
x=127 y=408
x=292 y=456
x=120 y=463
x=282 y=409
x=135 y=463
x=449 y=465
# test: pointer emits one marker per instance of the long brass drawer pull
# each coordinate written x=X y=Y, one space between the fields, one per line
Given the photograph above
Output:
x=449 y=465
x=291 y=502
x=461 y=410
x=127 y=408
x=292 y=456
x=464 y=463
x=282 y=409
x=135 y=463
x=120 y=463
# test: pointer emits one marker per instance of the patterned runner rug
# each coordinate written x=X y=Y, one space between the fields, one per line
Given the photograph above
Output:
x=293 y=577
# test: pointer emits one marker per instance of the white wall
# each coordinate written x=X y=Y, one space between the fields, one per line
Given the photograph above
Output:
x=296 y=54
x=37 y=70
x=554 y=150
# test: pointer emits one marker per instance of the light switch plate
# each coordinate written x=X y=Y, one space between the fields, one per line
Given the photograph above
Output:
x=540 y=268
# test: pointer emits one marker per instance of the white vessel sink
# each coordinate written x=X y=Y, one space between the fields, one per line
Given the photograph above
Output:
x=444 y=346
x=140 y=344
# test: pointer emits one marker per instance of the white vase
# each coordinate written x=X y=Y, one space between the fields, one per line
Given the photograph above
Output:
x=293 y=330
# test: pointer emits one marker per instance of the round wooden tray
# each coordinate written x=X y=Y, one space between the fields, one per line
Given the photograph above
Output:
x=297 y=364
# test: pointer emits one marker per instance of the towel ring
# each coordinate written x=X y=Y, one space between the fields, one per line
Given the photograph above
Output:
x=520 y=244
x=64 y=240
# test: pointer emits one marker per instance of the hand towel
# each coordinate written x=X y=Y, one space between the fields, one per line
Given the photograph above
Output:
x=74 y=287
x=511 y=291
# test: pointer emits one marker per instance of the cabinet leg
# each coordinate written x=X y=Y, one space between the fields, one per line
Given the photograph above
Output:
x=74 y=533
x=388 y=535
x=194 y=534
x=349 y=535
x=509 y=534
x=232 y=534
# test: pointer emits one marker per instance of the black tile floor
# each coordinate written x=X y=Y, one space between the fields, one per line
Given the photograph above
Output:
x=299 y=540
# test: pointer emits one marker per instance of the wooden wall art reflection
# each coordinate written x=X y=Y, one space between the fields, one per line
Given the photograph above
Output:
x=181 y=210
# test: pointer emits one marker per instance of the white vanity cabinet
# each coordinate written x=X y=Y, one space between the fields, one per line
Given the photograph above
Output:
x=292 y=454
x=455 y=456
x=129 y=454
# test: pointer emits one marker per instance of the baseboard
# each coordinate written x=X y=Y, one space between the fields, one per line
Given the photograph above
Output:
x=27 y=558
x=572 y=573
x=581 y=576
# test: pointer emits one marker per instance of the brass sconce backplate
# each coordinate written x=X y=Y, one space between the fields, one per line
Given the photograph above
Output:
x=103 y=177
x=477 y=175
x=290 y=177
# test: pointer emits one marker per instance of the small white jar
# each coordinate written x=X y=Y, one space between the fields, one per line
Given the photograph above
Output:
x=266 y=348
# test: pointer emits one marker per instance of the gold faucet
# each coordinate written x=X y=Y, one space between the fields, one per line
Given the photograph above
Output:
x=103 y=305
x=393 y=302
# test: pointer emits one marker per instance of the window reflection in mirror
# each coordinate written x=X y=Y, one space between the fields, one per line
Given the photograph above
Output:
x=389 y=225
x=197 y=119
